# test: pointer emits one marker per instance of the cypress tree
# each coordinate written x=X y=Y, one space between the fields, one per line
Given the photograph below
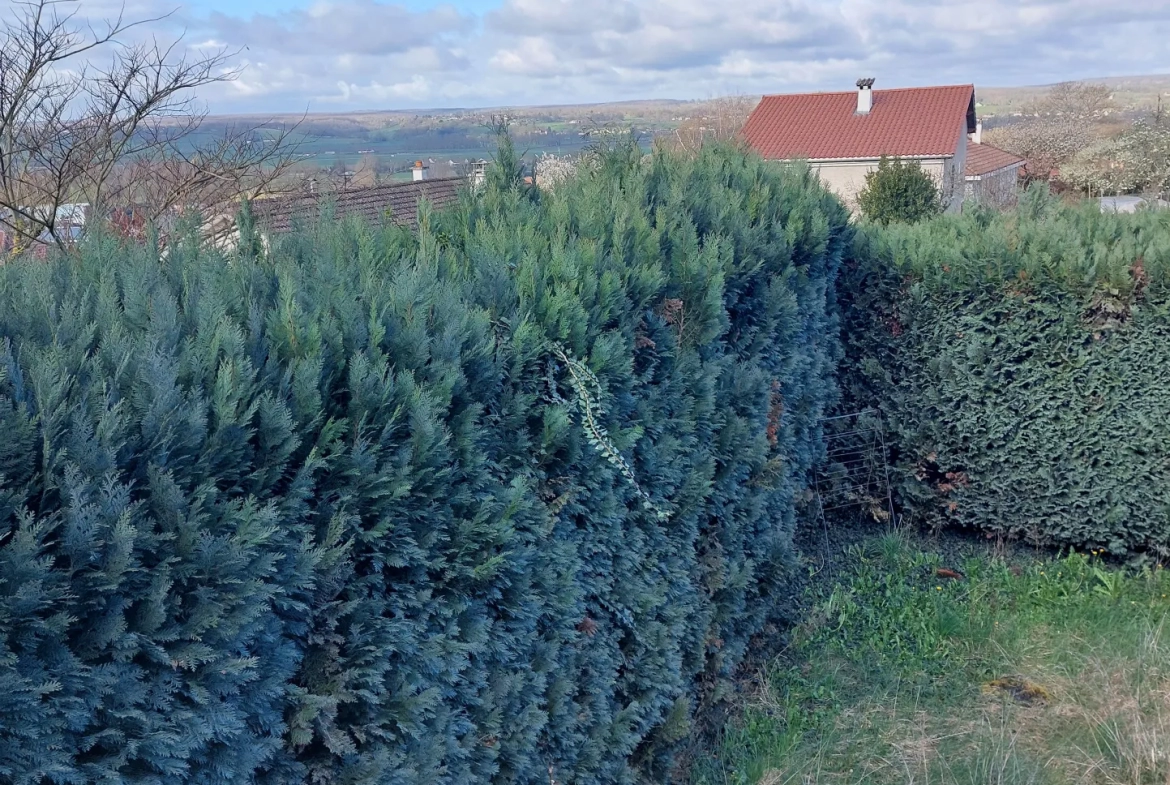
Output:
x=495 y=501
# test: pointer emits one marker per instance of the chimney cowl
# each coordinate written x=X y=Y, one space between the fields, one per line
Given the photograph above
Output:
x=864 y=95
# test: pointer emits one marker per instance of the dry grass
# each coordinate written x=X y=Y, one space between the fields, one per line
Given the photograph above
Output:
x=1079 y=659
x=1110 y=726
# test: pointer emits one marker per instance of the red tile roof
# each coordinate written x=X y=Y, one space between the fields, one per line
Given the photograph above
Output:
x=397 y=202
x=984 y=159
x=910 y=122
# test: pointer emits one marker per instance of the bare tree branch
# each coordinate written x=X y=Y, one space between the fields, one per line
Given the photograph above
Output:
x=126 y=133
x=717 y=120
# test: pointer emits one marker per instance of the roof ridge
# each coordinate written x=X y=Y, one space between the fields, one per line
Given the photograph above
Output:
x=984 y=159
x=876 y=90
x=317 y=195
x=397 y=201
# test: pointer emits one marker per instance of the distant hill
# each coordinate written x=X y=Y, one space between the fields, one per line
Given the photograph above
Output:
x=649 y=109
x=396 y=137
x=1133 y=93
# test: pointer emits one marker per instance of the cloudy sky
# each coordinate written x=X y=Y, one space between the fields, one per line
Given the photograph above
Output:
x=330 y=55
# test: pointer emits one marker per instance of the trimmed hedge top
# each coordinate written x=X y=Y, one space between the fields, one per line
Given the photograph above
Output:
x=1076 y=248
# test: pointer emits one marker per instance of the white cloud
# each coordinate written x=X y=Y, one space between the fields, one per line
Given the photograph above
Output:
x=417 y=89
x=370 y=54
x=533 y=57
x=361 y=27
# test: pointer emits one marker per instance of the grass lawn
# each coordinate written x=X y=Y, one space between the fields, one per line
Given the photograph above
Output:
x=913 y=669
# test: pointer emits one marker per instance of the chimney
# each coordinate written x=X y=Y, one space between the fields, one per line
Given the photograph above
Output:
x=419 y=171
x=977 y=137
x=478 y=172
x=864 y=95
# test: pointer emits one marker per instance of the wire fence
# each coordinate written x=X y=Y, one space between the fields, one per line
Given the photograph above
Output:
x=854 y=478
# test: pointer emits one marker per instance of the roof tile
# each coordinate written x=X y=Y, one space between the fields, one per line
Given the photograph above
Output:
x=919 y=121
x=984 y=159
x=396 y=201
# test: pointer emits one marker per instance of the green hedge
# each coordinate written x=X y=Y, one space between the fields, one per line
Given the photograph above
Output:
x=499 y=501
x=1023 y=363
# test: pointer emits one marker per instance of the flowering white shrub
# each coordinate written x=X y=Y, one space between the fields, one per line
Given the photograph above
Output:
x=1048 y=143
x=1137 y=159
x=552 y=170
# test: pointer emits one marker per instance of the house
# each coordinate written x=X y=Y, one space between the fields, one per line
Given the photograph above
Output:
x=394 y=202
x=844 y=135
x=478 y=173
x=72 y=215
x=67 y=220
x=992 y=175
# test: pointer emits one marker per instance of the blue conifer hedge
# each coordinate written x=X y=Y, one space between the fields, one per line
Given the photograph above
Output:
x=496 y=502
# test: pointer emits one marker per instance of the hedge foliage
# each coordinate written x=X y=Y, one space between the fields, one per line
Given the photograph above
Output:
x=1023 y=363
x=501 y=501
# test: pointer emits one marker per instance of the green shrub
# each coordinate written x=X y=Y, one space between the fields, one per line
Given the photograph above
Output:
x=499 y=502
x=899 y=192
x=1021 y=362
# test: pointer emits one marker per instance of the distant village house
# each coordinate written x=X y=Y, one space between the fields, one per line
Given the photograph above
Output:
x=395 y=203
x=844 y=135
x=68 y=221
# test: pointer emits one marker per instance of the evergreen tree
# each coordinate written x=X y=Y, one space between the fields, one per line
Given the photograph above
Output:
x=1020 y=361
x=899 y=192
x=454 y=507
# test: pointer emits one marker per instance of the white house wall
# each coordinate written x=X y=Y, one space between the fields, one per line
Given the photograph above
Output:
x=847 y=178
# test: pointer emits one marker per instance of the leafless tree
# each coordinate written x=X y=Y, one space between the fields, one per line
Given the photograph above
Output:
x=116 y=134
x=1085 y=101
x=366 y=173
x=718 y=120
x=1047 y=143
